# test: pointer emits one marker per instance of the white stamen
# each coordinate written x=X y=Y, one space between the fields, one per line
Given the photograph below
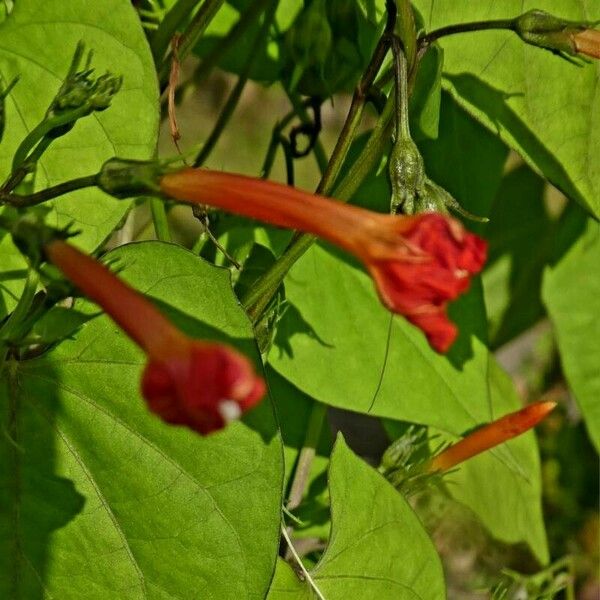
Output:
x=230 y=410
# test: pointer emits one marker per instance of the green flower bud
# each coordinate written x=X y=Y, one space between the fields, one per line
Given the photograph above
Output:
x=404 y=463
x=123 y=178
x=407 y=176
x=544 y=30
x=30 y=234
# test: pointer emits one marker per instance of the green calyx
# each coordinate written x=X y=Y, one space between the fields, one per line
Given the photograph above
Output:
x=30 y=234
x=412 y=191
x=123 y=178
x=539 y=28
x=407 y=176
x=405 y=462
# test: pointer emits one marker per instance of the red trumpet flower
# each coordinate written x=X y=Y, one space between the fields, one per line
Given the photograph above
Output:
x=419 y=263
x=201 y=385
x=492 y=435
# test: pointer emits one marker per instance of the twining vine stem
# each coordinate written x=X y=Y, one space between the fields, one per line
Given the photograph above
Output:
x=428 y=39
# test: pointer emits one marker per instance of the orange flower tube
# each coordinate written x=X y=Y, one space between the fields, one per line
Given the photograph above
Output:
x=492 y=435
x=418 y=263
x=186 y=382
x=588 y=42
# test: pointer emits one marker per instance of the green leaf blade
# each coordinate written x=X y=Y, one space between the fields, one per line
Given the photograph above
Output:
x=367 y=555
x=570 y=291
x=526 y=94
x=121 y=487
x=37 y=43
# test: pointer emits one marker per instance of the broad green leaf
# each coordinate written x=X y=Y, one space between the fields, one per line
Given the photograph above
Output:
x=37 y=42
x=541 y=105
x=100 y=498
x=465 y=159
x=378 y=547
x=571 y=292
x=336 y=343
x=13 y=270
x=524 y=237
x=426 y=97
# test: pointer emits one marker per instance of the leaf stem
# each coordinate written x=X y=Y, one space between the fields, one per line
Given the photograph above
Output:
x=22 y=307
x=21 y=201
x=159 y=218
x=190 y=36
x=401 y=91
x=43 y=129
x=307 y=454
x=300 y=564
x=436 y=34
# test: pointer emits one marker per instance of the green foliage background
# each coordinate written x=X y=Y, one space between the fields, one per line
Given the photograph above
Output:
x=99 y=499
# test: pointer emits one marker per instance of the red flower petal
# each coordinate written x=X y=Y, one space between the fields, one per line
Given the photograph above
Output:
x=203 y=389
x=431 y=264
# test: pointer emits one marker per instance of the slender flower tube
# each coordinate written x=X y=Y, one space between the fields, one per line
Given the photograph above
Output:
x=491 y=435
x=588 y=42
x=201 y=385
x=418 y=263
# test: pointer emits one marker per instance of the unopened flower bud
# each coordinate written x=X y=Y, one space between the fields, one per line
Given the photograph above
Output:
x=539 y=28
x=407 y=176
x=492 y=434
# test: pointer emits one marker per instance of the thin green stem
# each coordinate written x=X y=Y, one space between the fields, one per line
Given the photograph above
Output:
x=21 y=201
x=373 y=149
x=17 y=176
x=22 y=307
x=159 y=218
x=307 y=454
x=177 y=14
x=190 y=36
x=401 y=91
x=236 y=93
x=348 y=132
x=307 y=575
x=260 y=294
x=436 y=34
x=43 y=129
